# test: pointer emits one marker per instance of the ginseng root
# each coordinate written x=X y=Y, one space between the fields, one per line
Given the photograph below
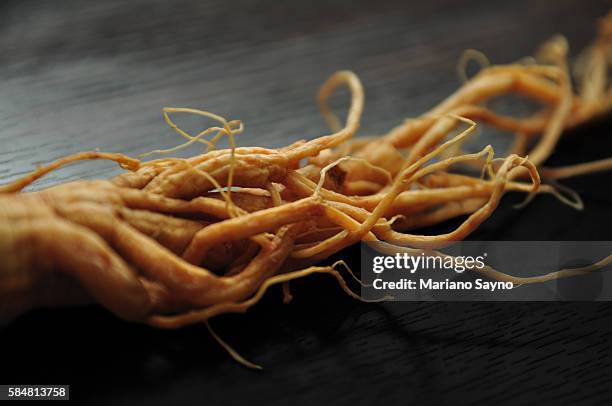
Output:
x=171 y=242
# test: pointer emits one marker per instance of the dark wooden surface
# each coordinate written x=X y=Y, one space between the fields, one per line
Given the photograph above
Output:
x=77 y=76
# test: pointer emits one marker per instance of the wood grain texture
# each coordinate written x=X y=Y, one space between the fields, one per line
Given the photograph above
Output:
x=78 y=76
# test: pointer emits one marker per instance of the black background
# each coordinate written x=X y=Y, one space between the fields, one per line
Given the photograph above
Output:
x=80 y=75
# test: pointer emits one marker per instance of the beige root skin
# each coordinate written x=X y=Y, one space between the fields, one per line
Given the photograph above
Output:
x=42 y=249
x=172 y=241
